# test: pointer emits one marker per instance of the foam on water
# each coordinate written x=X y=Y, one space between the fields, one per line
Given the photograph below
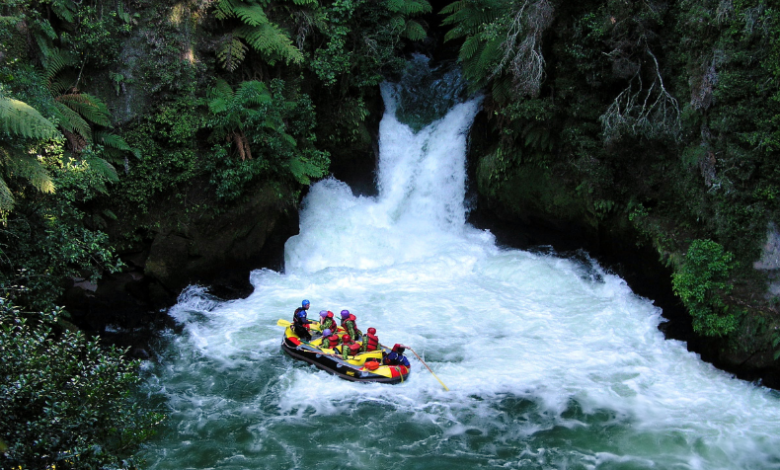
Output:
x=551 y=362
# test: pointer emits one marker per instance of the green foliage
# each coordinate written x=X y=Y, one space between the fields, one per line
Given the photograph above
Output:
x=257 y=32
x=702 y=283
x=19 y=118
x=65 y=401
x=270 y=129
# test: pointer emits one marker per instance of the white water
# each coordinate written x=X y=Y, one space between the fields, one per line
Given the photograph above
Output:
x=552 y=363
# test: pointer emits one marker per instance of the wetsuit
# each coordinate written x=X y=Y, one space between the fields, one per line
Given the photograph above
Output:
x=396 y=359
x=300 y=324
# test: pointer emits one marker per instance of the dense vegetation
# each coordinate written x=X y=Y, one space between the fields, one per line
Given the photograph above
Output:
x=656 y=119
x=109 y=108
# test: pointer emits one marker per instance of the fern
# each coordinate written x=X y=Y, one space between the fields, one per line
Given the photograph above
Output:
x=270 y=40
x=258 y=31
x=72 y=122
x=115 y=146
x=25 y=166
x=91 y=108
x=414 y=31
x=19 y=118
x=231 y=54
x=6 y=198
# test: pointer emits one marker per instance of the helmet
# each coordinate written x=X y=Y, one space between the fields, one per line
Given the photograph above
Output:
x=330 y=314
x=345 y=338
x=304 y=303
x=396 y=347
x=344 y=313
x=326 y=333
x=372 y=331
x=323 y=313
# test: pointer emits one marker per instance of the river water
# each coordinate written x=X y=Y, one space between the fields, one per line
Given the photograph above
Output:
x=551 y=363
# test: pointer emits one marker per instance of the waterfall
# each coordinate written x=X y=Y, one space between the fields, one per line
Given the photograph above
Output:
x=551 y=362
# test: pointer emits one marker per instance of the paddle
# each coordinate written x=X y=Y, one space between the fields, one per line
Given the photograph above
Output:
x=429 y=369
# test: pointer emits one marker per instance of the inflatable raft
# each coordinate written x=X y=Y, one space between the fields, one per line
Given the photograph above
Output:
x=363 y=367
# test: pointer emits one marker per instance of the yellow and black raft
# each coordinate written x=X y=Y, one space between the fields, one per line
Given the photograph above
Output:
x=362 y=367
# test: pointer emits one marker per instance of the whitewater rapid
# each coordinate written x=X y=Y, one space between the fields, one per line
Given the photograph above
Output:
x=551 y=362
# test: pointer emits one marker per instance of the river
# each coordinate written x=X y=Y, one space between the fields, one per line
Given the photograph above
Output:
x=552 y=363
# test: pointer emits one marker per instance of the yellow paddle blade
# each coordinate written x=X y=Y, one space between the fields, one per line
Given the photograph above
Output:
x=283 y=323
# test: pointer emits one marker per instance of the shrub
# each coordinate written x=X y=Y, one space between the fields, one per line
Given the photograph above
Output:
x=65 y=401
x=701 y=283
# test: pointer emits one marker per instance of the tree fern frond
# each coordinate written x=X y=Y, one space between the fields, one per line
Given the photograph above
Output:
x=249 y=14
x=62 y=83
x=55 y=61
x=397 y=23
x=253 y=92
x=6 y=198
x=231 y=54
x=222 y=89
x=19 y=118
x=269 y=39
x=64 y=10
x=102 y=168
x=71 y=121
x=28 y=167
x=394 y=5
x=90 y=107
x=414 y=31
x=224 y=9
x=301 y=3
x=470 y=47
x=114 y=141
x=452 y=8
x=408 y=7
x=502 y=89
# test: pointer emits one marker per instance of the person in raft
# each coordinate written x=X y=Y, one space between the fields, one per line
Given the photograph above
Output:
x=301 y=323
x=348 y=347
x=370 y=340
x=349 y=323
x=328 y=322
x=329 y=340
x=396 y=357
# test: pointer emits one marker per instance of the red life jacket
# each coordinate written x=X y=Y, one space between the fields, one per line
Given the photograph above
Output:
x=354 y=348
x=373 y=342
x=351 y=318
x=333 y=341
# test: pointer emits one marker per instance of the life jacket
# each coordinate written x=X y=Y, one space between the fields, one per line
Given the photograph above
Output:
x=345 y=324
x=329 y=324
x=354 y=348
x=333 y=341
x=373 y=342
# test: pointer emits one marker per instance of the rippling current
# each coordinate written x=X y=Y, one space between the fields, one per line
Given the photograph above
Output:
x=552 y=363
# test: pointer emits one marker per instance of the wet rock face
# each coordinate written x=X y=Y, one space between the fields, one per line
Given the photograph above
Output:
x=207 y=247
x=770 y=260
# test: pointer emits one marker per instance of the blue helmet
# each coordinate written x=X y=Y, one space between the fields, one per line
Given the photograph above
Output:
x=304 y=303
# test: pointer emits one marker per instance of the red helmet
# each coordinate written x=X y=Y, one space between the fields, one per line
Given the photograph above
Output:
x=345 y=338
x=330 y=314
x=372 y=331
